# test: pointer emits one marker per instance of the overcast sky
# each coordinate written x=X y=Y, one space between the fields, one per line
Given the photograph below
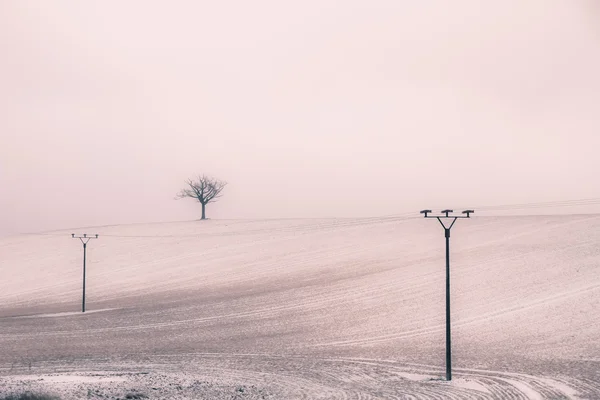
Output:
x=307 y=108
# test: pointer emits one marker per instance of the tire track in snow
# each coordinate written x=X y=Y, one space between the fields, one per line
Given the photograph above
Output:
x=496 y=384
x=461 y=323
x=352 y=378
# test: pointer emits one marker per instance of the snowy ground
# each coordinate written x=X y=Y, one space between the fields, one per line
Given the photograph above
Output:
x=286 y=309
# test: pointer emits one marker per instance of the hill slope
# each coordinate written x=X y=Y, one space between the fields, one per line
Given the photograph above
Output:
x=345 y=307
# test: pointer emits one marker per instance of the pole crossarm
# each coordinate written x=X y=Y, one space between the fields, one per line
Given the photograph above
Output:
x=447 y=217
x=445 y=214
x=84 y=238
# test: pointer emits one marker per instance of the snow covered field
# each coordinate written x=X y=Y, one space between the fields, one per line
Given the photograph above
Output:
x=286 y=309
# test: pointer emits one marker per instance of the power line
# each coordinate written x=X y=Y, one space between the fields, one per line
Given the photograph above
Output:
x=538 y=205
x=549 y=204
x=391 y=217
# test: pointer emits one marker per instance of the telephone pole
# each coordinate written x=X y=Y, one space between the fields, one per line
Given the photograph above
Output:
x=447 y=234
x=84 y=239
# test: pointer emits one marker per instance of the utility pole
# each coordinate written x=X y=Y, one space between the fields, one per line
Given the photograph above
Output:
x=84 y=239
x=447 y=234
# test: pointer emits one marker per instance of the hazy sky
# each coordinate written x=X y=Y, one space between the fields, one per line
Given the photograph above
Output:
x=307 y=108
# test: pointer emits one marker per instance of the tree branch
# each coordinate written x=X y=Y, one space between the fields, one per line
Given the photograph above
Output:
x=205 y=189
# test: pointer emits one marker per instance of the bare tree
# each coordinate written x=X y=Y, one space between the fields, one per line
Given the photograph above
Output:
x=205 y=189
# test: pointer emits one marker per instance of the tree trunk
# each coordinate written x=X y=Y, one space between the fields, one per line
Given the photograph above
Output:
x=203 y=211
